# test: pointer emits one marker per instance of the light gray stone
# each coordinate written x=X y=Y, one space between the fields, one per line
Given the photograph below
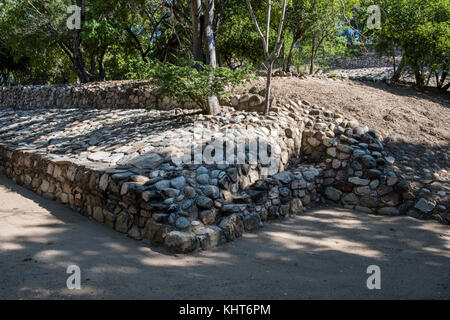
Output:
x=180 y=242
x=358 y=181
x=424 y=205
x=232 y=226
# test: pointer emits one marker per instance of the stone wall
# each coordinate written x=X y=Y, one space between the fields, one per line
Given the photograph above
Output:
x=148 y=196
x=100 y=95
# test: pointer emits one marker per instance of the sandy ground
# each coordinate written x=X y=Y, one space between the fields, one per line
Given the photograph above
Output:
x=394 y=112
x=322 y=254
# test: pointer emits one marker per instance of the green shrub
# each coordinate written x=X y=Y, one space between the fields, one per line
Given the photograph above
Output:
x=189 y=84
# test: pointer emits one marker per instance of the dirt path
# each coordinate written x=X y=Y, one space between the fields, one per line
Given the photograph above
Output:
x=321 y=254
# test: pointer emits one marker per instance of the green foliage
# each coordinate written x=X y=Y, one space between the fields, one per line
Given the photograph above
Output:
x=316 y=29
x=189 y=84
x=421 y=28
x=238 y=41
x=121 y=38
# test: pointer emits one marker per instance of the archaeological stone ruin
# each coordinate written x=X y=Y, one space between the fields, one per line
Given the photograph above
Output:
x=99 y=149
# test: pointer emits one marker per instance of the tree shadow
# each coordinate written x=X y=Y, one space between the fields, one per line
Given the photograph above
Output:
x=320 y=254
x=408 y=90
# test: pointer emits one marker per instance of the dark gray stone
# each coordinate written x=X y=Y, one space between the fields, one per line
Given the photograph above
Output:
x=182 y=223
x=333 y=193
x=205 y=202
x=252 y=221
x=232 y=226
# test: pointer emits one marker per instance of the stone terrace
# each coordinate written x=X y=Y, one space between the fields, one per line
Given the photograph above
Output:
x=119 y=167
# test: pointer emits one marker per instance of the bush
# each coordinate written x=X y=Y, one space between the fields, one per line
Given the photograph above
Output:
x=189 y=84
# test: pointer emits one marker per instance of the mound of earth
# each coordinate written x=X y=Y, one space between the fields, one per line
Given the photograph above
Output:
x=414 y=125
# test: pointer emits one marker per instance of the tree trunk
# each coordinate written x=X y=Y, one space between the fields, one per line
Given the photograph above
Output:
x=93 y=64
x=291 y=54
x=283 y=50
x=265 y=40
x=213 y=102
x=197 y=34
x=268 y=87
x=419 y=76
x=398 y=72
x=79 y=66
x=441 y=81
x=393 y=59
x=311 y=67
x=220 y=60
x=444 y=74
x=101 y=67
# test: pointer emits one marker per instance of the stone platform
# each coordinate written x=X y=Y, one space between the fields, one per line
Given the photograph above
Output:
x=138 y=172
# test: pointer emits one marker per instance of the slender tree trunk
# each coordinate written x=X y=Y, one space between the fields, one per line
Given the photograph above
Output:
x=283 y=50
x=220 y=60
x=80 y=68
x=213 y=101
x=393 y=59
x=441 y=81
x=291 y=54
x=419 y=76
x=443 y=77
x=311 y=67
x=101 y=67
x=429 y=78
x=268 y=87
x=398 y=72
x=265 y=40
x=93 y=64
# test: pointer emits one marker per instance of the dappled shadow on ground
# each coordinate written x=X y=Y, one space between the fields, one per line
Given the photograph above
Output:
x=409 y=90
x=323 y=253
x=413 y=158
